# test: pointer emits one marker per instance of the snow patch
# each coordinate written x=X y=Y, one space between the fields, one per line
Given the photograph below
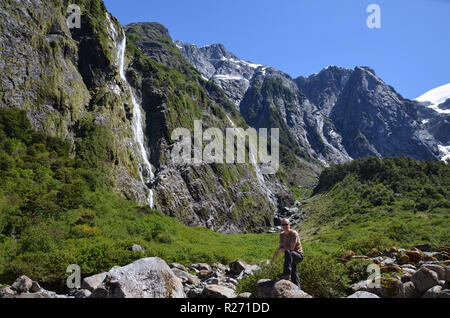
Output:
x=445 y=152
x=436 y=97
x=229 y=77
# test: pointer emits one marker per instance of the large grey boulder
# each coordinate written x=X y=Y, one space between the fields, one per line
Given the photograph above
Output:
x=409 y=290
x=363 y=294
x=424 y=279
x=22 y=284
x=216 y=291
x=439 y=270
x=145 y=278
x=7 y=292
x=433 y=292
x=93 y=282
x=267 y=288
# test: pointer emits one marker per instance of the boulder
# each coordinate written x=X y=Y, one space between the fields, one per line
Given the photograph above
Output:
x=232 y=281
x=445 y=293
x=137 y=248
x=409 y=290
x=238 y=266
x=200 y=267
x=35 y=288
x=185 y=277
x=433 y=292
x=219 y=267
x=439 y=270
x=391 y=269
x=205 y=274
x=447 y=274
x=245 y=295
x=7 y=292
x=424 y=279
x=194 y=293
x=82 y=293
x=93 y=282
x=145 y=278
x=216 y=291
x=402 y=259
x=407 y=274
x=387 y=261
x=22 y=284
x=363 y=294
x=178 y=266
x=267 y=288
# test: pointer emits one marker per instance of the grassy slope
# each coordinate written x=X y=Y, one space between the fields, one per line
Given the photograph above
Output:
x=373 y=203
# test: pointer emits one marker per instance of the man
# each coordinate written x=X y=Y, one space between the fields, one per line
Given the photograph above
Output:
x=293 y=253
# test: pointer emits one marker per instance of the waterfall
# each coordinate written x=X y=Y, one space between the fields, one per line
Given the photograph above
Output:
x=145 y=168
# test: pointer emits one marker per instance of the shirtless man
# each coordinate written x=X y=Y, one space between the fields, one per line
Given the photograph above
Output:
x=293 y=253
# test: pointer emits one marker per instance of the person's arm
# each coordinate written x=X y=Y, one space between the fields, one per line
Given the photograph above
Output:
x=279 y=250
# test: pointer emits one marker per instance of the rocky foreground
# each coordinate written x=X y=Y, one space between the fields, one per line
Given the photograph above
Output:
x=404 y=274
x=415 y=273
x=153 y=278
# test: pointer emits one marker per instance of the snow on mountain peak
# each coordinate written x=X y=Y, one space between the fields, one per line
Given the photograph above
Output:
x=436 y=97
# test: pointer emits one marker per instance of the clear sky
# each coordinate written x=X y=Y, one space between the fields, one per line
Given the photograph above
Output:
x=411 y=51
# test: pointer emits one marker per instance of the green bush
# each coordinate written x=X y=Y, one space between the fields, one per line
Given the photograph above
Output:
x=322 y=276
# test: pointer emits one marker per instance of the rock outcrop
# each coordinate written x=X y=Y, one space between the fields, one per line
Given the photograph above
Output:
x=267 y=288
x=145 y=278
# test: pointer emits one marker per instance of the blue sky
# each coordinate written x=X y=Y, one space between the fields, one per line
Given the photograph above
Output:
x=300 y=37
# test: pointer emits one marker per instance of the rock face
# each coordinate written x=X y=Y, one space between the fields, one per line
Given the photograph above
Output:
x=267 y=288
x=373 y=119
x=205 y=194
x=145 y=278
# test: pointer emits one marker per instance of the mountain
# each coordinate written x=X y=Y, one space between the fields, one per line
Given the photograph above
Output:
x=117 y=100
x=268 y=97
x=324 y=88
x=333 y=116
x=375 y=120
